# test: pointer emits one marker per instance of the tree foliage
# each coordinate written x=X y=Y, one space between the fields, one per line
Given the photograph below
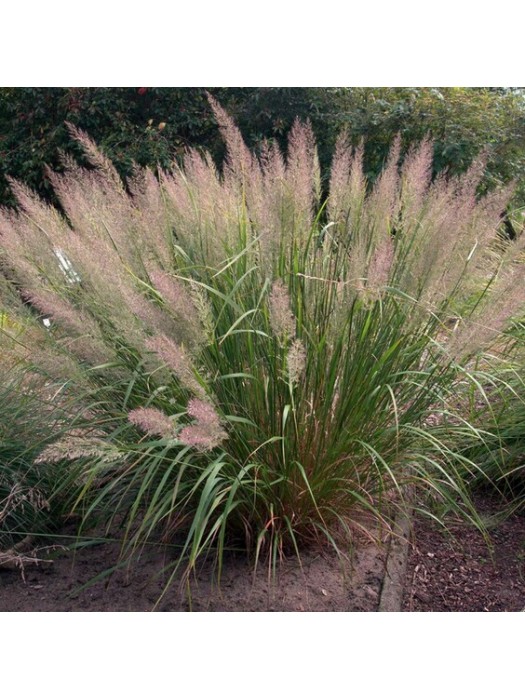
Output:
x=151 y=126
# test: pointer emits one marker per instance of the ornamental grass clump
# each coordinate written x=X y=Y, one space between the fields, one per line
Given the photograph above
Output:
x=497 y=410
x=29 y=423
x=263 y=364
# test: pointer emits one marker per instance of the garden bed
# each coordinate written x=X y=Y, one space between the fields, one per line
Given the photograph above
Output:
x=456 y=572
x=444 y=573
x=321 y=583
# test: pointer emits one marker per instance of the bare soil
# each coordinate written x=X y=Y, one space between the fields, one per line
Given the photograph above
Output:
x=65 y=582
x=445 y=572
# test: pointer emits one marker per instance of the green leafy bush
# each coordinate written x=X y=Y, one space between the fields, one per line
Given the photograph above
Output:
x=151 y=126
x=258 y=363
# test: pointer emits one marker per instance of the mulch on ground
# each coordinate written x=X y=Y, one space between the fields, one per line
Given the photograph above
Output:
x=457 y=572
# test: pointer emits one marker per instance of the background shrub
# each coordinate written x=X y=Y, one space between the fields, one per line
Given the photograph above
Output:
x=151 y=126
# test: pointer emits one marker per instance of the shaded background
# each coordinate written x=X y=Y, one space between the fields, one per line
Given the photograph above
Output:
x=152 y=126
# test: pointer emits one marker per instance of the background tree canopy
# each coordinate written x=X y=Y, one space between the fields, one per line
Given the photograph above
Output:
x=151 y=126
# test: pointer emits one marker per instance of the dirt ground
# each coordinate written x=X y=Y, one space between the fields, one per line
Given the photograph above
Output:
x=454 y=572
x=66 y=581
x=457 y=572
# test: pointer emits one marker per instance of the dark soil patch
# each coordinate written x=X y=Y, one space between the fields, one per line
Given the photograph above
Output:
x=456 y=572
x=446 y=572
